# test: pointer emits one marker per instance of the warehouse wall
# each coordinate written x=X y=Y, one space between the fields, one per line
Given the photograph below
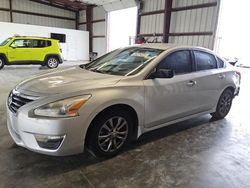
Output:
x=191 y=23
x=152 y=24
x=98 y=28
x=29 y=6
x=99 y=31
x=82 y=20
x=198 y=20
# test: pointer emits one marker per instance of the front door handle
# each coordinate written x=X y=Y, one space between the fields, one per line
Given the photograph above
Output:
x=191 y=83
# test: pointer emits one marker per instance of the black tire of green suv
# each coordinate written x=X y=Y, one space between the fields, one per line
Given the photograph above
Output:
x=2 y=62
x=52 y=62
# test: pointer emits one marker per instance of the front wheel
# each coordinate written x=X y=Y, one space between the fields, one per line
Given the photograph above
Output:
x=52 y=62
x=109 y=133
x=1 y=63
x=224 y=105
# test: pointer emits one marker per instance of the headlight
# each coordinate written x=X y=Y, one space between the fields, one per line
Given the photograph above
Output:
x=63 y=108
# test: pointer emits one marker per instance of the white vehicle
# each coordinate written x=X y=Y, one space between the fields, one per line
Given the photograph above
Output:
x=118 y=97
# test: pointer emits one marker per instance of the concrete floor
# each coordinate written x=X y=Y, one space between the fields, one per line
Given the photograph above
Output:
x=195 y=153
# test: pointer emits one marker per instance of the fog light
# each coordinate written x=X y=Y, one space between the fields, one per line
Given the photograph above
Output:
x=49 y=142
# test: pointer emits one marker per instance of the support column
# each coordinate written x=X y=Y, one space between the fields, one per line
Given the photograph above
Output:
x=138 y=24
x=77 y=20
x=11 y=13
x=167 y=20
x=89 y=25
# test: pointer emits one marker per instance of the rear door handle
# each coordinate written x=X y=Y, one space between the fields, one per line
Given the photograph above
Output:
x=221 y=76
x=191 y=83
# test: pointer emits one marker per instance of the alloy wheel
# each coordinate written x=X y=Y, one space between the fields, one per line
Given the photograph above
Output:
x=113 y=134
x=225 y=103
x=52 y=62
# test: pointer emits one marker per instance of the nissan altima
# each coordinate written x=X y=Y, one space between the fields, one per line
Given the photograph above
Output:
x=116 y=98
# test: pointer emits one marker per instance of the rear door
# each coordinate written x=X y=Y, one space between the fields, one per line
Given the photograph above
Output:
x=39 y=49
x=210 y=79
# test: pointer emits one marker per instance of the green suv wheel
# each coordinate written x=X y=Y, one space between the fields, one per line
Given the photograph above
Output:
x=1 y=62
x=52 y=62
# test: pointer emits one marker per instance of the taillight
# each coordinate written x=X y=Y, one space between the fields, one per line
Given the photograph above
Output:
x=238 y=75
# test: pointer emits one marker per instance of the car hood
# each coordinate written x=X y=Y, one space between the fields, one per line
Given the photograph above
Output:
x=72 y=79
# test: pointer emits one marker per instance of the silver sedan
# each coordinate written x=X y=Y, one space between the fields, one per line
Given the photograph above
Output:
x=110 y=101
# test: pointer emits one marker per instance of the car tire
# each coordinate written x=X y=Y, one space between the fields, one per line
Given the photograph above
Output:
x=52 y=62
x=2 y=62
x=109 y=133
x=224 y=105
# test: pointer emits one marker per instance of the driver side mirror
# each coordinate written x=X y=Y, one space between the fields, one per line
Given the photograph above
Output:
x=162 y=73
x=14 y=46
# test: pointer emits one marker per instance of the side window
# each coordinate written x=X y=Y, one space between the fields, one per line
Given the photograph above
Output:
x=21 y=43
x=48 y=43
x=204 y=61
x=221 y=63
x=39 y=43
x=179 y=61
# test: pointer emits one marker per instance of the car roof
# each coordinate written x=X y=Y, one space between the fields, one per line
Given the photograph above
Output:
x=33 y=37
x=160 y=46
x=168 y=46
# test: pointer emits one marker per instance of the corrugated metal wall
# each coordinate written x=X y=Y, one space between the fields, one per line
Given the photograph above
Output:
x=4 y=15
x=196 y=20
x=26 y=5
x=82 y=20
x=152 y=24
x=99 y=30
x=193 y=22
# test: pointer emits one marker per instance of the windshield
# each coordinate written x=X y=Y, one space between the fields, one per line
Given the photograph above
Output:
x=123 y=61
x=5 y=42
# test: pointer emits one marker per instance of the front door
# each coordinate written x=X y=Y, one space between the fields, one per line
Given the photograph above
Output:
x=168 y=99
x=20 y=50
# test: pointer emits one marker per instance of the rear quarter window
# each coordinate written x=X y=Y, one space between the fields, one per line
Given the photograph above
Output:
x=221 y=63
x=48 y=43
x=204 y=61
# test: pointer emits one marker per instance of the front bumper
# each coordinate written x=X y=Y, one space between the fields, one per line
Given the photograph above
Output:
x=23 y=130
x=237 y=91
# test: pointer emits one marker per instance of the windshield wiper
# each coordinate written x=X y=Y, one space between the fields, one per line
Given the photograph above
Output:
x=83 y=66
x=96 y=70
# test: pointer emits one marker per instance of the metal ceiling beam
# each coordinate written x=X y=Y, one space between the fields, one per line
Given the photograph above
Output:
x=48 y=3
x=63 y=4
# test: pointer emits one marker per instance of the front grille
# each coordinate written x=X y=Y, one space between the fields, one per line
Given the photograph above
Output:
x=17 y=100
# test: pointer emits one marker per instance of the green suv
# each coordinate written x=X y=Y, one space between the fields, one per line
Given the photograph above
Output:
x=26 y=50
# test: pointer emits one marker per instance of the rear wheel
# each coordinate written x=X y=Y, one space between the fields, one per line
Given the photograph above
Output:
x=224 y=105
x=109 y=133
x=2 y=62
x=52 y=62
